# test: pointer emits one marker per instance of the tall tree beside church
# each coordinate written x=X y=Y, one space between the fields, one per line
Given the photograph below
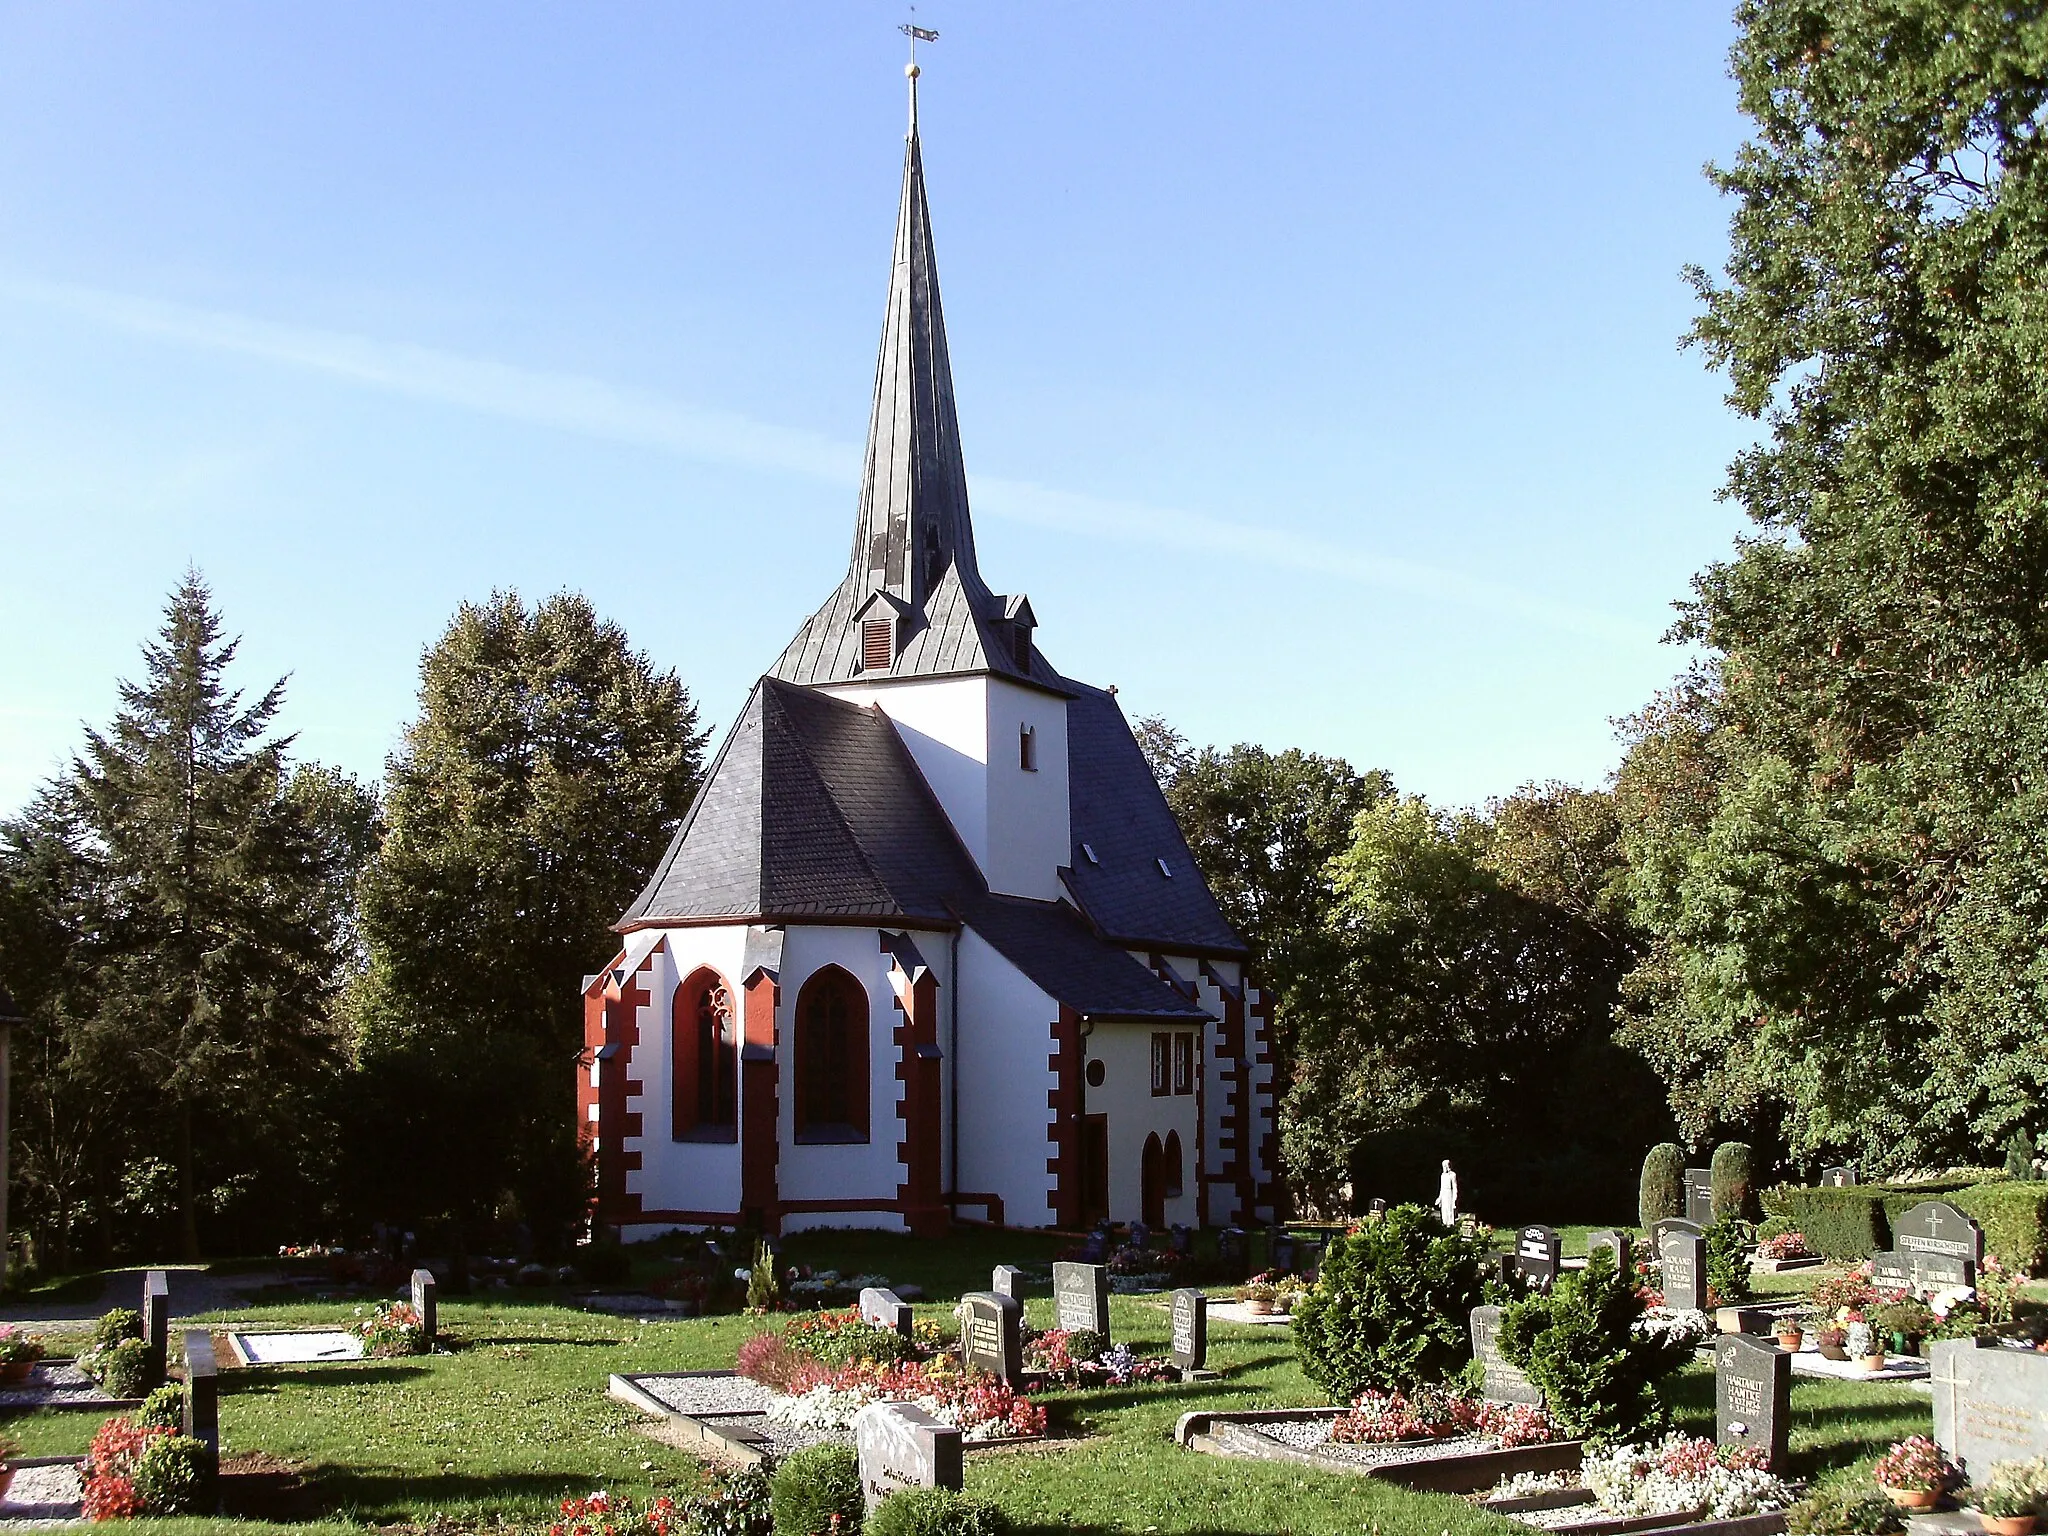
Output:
x=549 y=765
x=1861 y=906
x=210 y=954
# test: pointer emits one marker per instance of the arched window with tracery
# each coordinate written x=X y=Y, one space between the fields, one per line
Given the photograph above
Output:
x=704 y=1058
x=832 y=1058
x=1175 y=1177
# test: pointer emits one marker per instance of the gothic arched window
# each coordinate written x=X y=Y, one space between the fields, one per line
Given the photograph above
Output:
x=704 y=1058
x=1175 y=1173
x=832 y=1058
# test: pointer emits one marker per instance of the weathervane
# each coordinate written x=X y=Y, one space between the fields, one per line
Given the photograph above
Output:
x=917 y=35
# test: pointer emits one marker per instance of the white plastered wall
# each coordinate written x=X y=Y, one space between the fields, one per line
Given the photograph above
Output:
x=1219 y=1091
x=1125 y=1096
x=963 y=734
x=1006 y=1082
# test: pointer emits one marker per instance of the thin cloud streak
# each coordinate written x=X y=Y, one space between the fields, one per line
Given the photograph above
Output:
x=593 y=408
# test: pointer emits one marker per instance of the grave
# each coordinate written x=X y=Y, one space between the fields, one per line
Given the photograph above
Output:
x=1622 y=1247
x=885 y=1309
x=314 y=1346
x=991 y=1334
x=1699 y=1196
x=1190 y=1332
x=1504 y=1383
x=1141 y=1236
x=1891 y=1271
x=1377 y=1208
x=1939 y=1243
x=1990 y=1404
x=1538 y=1255
x=1753 y=1396
x=1684 y=1256
x=1080 y=1298
x=1280 y=1250
x=45 y=1491
x=156 y=1321
x=1230 y=1250
x=426 y=1302
x=1841 y=1176
x=202 y=1388
x=902 y=1446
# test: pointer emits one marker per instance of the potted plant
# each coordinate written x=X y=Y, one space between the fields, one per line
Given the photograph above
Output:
x=2012 y=1498
x=1791 y=1334
x=1863 y=1343
x=1832 y=1341
x=1904 y=1323
x=19 y=1352
x=1258 y=1297
x=1914 y=1473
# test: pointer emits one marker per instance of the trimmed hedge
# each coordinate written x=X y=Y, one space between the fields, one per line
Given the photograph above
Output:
x=1661 y=1194
x=1855 y=1222
x=1844 y=1224
x=1733 y=1172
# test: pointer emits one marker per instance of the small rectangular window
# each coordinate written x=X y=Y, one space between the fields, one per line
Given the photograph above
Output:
x=1027 y=749
x=1162 y=1066
x=1183 y=1063
x=1023 y=651
x=1089 y=853
x=877 y=646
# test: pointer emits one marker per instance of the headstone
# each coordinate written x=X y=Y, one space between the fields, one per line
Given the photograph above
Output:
x=1182 y=1237
x=1623 y=1247
x=902 y=1446
x=1008 y=1281
x=1230 y=1249
x=1097 y=1248
x=1674 y=1224
x=1190 y=1331
x=991 y=1335
x=1377 y=1208
x=1699 y=1196
x=1753 y=1396
x=1468 y=1224
x=1504 y=1383
x=1990 y=1404
x=156 y=1320
x=426 y=1303
x=202 y=1388
x=1141 y=1236
x=1684 y=1257
x=1841 y=1176
x=1080 y=1298
x=1539 y=1255
x=1940 y=1243
x=885 y=1309
x=1280 y=1250
x=1891 y=1271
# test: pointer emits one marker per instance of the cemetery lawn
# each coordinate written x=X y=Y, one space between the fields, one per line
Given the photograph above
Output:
x=516 y=1418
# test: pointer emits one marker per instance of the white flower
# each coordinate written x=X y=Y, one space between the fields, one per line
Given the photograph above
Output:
x=1676 y=1325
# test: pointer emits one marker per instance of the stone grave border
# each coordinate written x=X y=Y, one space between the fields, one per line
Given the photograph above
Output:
x=733 y=1441
x=33 y=1522
x=1235 y=1435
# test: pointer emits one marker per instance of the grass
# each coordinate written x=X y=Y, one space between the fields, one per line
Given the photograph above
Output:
x=516 y=1418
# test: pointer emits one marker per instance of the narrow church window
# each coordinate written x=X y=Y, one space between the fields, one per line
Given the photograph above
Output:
x=1175 y=1179
x=877 y=649
x=1027 y=749
x=704 y=1061
x=1162 y=1066
x=832 y=1059
x=1183 y=1063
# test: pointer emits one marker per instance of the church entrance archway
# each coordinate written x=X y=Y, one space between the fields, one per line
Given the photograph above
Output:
x=1152 y=1183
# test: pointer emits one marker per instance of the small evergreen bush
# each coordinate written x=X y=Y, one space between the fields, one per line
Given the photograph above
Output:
x=1391 y=1306
x=813 y=1485
x=113 y=1327
x=2019 y=1154
x=163 y=1409
x=764 y=1286
x=126 y=1369
x=1661 y=1194
x=175 y=1475
x=1579 y=1346
x=1846 y=1507
x=1729 y=1240
x=1733 y=1175
x=935 y=1512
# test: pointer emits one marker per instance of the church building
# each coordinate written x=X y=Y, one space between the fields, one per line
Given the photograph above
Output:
x=929 y=944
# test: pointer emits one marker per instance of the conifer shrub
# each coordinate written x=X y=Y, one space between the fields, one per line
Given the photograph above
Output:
x=1391 y=1306
x=764 y=1285
x=1729 y=1240
x=1661 y=1194
x=1580 y=1347
x=1733 y=1173
x=935 y=1512
x=814 y=1485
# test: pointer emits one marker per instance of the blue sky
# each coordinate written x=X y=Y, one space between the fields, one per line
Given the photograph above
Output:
x=1318 y=364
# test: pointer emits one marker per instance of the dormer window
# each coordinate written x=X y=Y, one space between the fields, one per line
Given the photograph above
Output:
x=1022 y=636
x=877 y=645
x=1027 y=749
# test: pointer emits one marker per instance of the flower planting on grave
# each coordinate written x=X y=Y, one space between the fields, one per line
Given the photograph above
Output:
x=394 y=1330
x=1271 y=1291
x=1917 y=1469
x=1681 y=1475
x=1438 y=1413
x=19 y=1352
x=1582 y=1347
x=137 y=1468
x=728 y=1502
x=1844 y=1507
x=1077 y=1357
x=1784 y=1245
x=2015 y=1491
x=1144 y=1268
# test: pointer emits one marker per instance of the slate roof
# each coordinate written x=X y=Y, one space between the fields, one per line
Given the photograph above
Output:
x=814 y=809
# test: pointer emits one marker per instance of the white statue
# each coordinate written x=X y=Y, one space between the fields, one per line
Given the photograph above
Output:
x=1447 y=1196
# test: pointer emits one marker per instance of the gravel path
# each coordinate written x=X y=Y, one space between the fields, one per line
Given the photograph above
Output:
x=193 y=1291
x=1314 y=1435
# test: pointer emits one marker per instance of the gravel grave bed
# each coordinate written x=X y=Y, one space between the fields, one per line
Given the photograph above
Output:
x=702 y=1395
x=785 y=1437
x=1314 y=1435
x=50 y=1385
x=44 y=1496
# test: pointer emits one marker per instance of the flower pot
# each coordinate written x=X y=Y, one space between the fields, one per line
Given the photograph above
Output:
x=16 y=1370
x=1791 y=1340
x=1832 y=1351
x=2010 y=1525
x=1260 y=1306
x=1872 y=1362
x=1913 y=1498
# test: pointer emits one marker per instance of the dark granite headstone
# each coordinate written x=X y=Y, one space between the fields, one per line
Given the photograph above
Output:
x=1097 y=1248
x=202 y=1388
x=1190 y=1330
x=902 y=1446
x=1623 y=1248
x=1280 y=1250
x=1182 y=1237
x=426 y=1302
x=1008 y=1281
x=1753 y=1395
x=991 y=1335
x=1699 y=1196
x=1990 y=1404
x=1377 y=1208
x=1891 y=1271
x=1685 y=1269
x=1841 y=1176
x=1538 y=1255
x=1504 y=1383
x=885 y=1309
x=156 y=1321
x=1943 y=1246
x=1141 y=1235
x=1230 y=1248
x=1080 y=1297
